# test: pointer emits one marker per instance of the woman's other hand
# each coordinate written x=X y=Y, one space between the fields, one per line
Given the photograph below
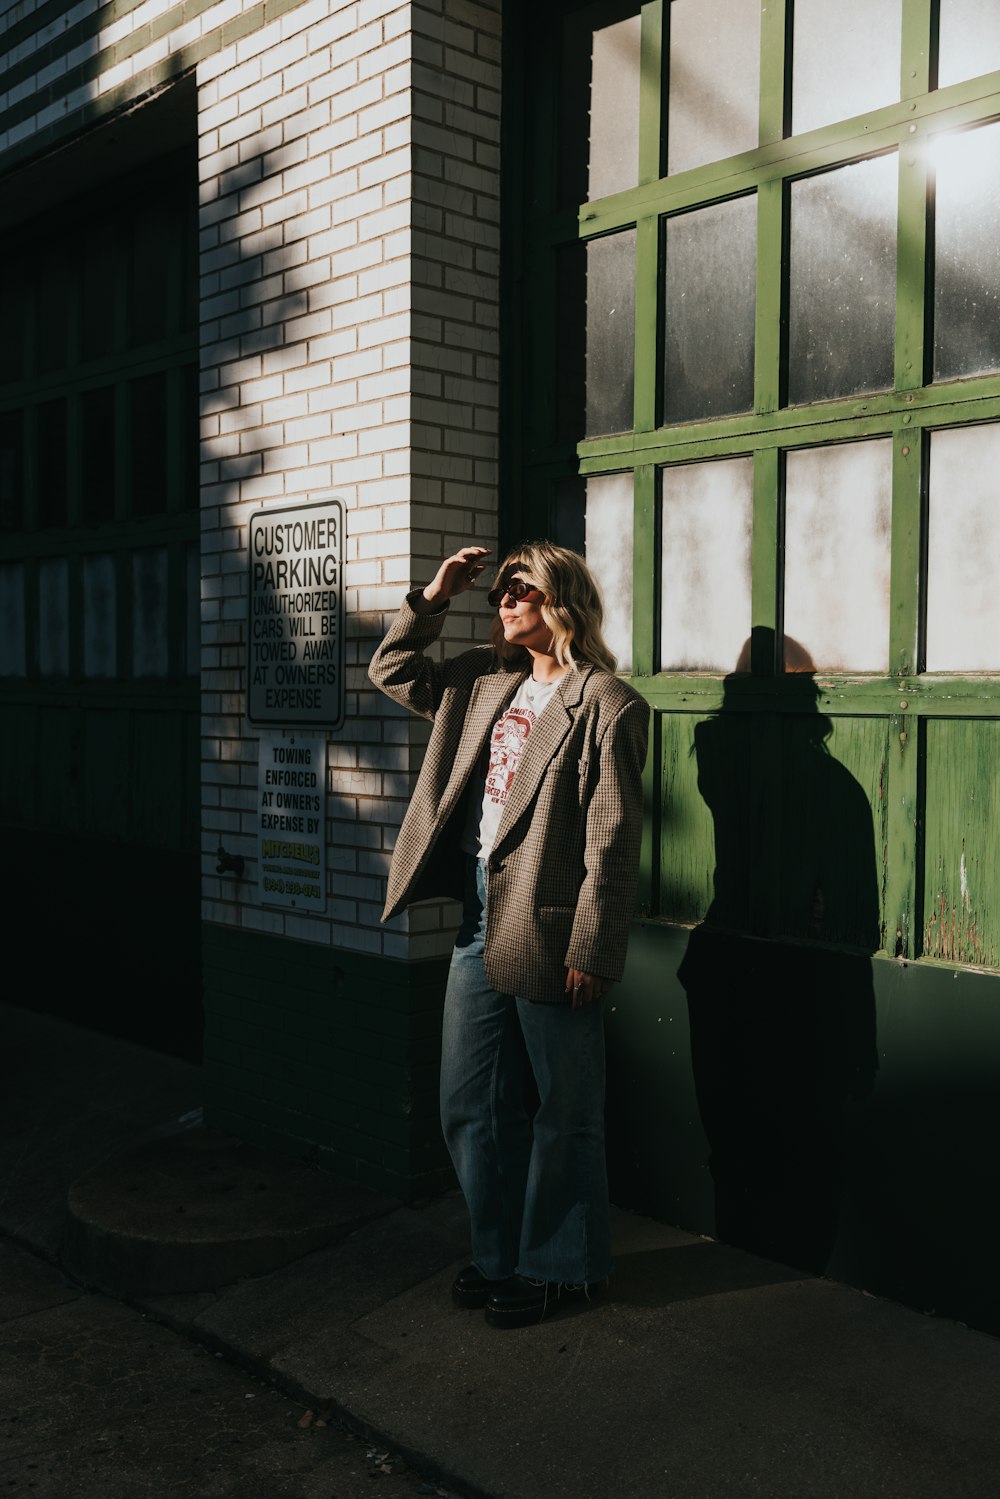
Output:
x=584 y=987
x=456 y=574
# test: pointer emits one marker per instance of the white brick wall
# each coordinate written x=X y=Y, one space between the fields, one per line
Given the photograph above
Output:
x=349 y=207
x=456 y=191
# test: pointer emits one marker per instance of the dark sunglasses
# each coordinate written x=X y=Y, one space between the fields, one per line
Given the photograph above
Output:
x=510 y=588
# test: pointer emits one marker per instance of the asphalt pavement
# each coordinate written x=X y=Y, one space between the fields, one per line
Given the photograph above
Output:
x=704 y=1373
x=99 y=1401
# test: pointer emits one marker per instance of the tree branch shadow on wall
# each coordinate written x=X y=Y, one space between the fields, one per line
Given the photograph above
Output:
x=778 y=975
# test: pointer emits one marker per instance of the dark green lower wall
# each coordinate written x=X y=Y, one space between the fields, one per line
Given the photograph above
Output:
x=887 y=1181
x=327 y=1054
x=105 y=934
x=776 y=1132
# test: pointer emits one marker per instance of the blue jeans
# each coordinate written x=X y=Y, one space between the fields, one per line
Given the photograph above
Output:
x=536 y=1185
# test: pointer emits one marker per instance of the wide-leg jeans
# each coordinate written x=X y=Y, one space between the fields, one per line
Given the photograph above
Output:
x=535 y=1183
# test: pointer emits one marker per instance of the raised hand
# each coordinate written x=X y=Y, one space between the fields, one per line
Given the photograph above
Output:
x=456 y=574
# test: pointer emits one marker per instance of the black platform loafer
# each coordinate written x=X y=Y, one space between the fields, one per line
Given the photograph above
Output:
x=471 y=1289
x=522 y=1302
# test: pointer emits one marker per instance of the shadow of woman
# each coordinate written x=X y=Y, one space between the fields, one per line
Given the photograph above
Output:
x=778 y=976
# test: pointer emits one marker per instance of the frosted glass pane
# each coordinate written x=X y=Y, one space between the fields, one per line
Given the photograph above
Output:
x=609 y=552
x=713 y=98
x=963 y=551
x=53 y=617
x=705 y=565
x=599 y=104
x=100 y=654
x=844 y=61
x=837 y=525
x=970 y=40
x=12 y=632
x=842 y=281
x=614 y=109
x=610 y=332
x=711 y=258
x=967 y=253
x=149 y=612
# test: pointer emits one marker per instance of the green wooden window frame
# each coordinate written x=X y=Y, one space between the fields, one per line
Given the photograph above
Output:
x=535 y=227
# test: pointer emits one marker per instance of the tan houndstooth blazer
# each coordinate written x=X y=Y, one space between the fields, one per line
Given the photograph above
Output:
x=563 y=870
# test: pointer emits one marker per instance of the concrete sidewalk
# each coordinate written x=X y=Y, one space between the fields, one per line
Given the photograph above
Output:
x=705 y=1371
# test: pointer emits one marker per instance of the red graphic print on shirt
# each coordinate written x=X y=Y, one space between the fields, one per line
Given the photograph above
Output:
x=510 y=735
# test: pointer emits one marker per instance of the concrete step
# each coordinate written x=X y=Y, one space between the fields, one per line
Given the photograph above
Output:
x=201 y=1210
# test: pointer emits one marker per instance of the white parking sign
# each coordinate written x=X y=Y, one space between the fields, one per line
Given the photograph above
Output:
x=295 y=645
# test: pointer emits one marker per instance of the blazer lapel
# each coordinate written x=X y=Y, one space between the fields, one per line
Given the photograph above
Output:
x=543 y=744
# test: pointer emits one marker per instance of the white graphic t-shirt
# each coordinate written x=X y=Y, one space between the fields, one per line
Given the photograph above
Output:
x=501 y=757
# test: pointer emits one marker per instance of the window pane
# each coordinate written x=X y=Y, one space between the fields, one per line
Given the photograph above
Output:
x=609 y=551
x=714 y=81
x=970 y=40
x=705 y=565
x=14 y=311
x=967 y=253
x=709 y=322
x=610 y=332
x=99 y=621
x=51 y=313
x=53 y=617
x=149 y=612
x=100 y=273
x=148 y=467
x=837 y=526
x=12 y=635
x=597 y=299
x=97 y=440
x=51 y=454
x=844 y=63
x=842 y=281
x=963 y=551
x=155 y=252
x=11 y=470
x=599 y=105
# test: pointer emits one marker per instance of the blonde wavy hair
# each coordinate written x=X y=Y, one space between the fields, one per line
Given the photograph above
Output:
x=572 y=606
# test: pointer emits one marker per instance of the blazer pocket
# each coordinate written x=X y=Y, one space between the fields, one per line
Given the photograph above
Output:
x=553 y=913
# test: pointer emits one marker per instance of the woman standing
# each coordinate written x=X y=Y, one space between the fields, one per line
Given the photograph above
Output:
x=528 y=808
